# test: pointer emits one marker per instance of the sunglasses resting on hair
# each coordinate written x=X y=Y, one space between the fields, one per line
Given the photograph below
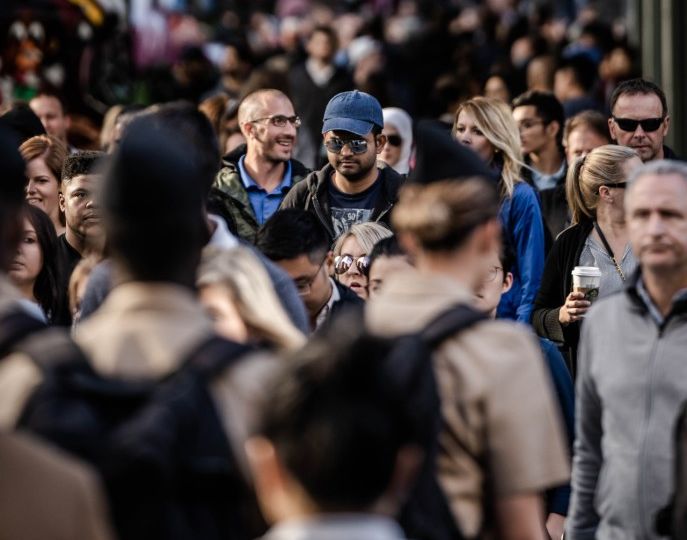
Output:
x=629 y=125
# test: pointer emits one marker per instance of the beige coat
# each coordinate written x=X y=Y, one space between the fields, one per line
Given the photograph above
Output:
x=46 y=496
x=496 y=396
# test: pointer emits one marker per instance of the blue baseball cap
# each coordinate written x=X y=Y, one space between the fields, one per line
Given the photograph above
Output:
x=353 y=111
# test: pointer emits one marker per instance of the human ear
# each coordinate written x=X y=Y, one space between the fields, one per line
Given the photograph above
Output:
x=61 y=201
x=380 y=141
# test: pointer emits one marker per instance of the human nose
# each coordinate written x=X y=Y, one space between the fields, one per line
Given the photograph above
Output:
x=346 y=149
x=656 y=226
x=30 y=187
x=639 y=132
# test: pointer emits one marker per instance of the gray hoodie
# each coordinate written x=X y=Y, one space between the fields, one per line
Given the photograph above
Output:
x=632 y=380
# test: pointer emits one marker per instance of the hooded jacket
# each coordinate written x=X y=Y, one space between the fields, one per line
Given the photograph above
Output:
x=313 y=195
x=229 y=198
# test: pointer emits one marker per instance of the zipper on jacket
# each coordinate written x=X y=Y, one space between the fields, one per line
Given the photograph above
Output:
x=318 y=212
x=384 y=212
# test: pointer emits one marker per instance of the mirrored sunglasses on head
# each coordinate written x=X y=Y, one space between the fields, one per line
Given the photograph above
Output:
x=342 y=263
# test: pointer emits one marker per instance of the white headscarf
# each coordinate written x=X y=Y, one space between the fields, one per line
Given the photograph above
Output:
x=404 y=125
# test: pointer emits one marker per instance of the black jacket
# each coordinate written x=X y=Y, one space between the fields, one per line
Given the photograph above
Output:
x=312 y=194
x=556 y=284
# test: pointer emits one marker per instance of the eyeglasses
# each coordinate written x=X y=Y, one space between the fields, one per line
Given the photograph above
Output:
x=529 y=123
x=304 y=285
x=394 y=140
x=630 y=125
x=343 y=262
x=491 y=274
x=357 y=146
x=279 y=120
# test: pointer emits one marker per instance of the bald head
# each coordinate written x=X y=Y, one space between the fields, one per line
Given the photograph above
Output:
x=258 y=104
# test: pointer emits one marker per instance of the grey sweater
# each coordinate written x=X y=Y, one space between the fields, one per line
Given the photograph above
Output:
x=631 y=382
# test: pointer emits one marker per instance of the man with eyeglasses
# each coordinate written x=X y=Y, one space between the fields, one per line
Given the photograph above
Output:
x=353 y=187
x=296 y=241
x=256 y=176
x=540 y=119
x=639 y=119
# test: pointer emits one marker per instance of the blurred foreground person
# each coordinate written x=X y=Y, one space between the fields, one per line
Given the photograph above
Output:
x=632 y=371
x=494 y=460
x=237 y=292
x=43 y=494
x=152 y=402
x=334 y=453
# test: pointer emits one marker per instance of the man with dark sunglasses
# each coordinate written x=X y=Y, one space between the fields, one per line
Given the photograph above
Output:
x=639 y=119
x=353 y=187
x=257 y=175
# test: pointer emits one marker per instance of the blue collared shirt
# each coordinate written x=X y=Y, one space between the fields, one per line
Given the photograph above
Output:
x=264 y=204
x=655 y=313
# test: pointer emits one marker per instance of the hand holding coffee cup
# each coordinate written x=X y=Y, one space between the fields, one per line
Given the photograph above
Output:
x=586 y=281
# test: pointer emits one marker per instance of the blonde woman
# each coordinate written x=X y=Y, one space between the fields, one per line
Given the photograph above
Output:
x=351 y=255
x=486 y=126
x=595 y=188
x=237 y=292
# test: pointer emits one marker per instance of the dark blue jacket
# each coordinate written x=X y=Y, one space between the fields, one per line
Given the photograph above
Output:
x=522 y=223
x=557 y=499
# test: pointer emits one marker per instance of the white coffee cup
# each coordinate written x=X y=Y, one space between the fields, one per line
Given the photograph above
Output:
x=586 y=279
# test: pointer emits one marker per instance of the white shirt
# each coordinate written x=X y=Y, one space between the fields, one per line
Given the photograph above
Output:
x=337 y=527
x=324 y=312
x=221 y=237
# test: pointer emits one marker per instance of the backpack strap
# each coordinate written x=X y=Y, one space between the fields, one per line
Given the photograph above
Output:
x=14 y=327
x=450 y=322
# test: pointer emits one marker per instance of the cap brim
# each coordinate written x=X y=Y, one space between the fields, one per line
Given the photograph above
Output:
x=359 y=127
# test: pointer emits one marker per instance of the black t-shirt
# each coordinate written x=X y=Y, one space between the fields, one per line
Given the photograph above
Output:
x=67 y=259
x=347 y=210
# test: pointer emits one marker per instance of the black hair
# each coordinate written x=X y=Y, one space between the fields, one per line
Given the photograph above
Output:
x=376 y=130
x=549 y=109
x=293 y=232
x=639 y=86
x=386 y=247
x=584 y=70
x=153 y=206
x=45 y=288
x=506 y=255
x=12 y=182
x=330 y=33
x=195 y=131
x=337 y=417
x=82 y=162
x=23 y=121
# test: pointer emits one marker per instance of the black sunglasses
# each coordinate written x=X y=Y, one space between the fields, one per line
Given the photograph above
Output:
x=394 y=140
x=343 y=262
x=357 y=146
x=619 y=185
x=630 y=125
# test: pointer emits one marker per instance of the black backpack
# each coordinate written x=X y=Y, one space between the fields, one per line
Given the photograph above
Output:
x=426 y=515
x=166 y=463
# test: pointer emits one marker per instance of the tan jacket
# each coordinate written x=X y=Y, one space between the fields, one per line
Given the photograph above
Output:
x=497 y=399
x=46 y=496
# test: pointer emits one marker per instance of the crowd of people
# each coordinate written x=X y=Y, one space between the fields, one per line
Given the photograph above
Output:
x=289 y=312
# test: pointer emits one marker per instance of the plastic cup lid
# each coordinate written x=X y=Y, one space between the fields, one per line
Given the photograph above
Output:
x=586 y=271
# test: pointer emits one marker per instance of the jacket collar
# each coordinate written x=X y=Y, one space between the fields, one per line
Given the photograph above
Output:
x=642 y=303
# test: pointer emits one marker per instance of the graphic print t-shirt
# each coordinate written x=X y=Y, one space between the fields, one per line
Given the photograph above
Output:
x=347 y=210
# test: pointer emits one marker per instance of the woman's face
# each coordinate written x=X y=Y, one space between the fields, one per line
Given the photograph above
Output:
x=42 y=188
x=468 y=134
x=219 y=304
x=352 y=277
x=392 y=149
x=28 y=261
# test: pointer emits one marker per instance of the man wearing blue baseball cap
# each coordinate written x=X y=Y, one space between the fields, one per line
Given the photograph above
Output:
x=353 y=187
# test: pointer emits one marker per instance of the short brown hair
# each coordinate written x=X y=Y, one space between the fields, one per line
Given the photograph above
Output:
x=52 y=150
x=592 y=120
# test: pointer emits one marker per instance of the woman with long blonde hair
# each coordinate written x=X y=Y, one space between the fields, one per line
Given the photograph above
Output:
x=238 y=294
x=487 y=127
x=595 y=188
